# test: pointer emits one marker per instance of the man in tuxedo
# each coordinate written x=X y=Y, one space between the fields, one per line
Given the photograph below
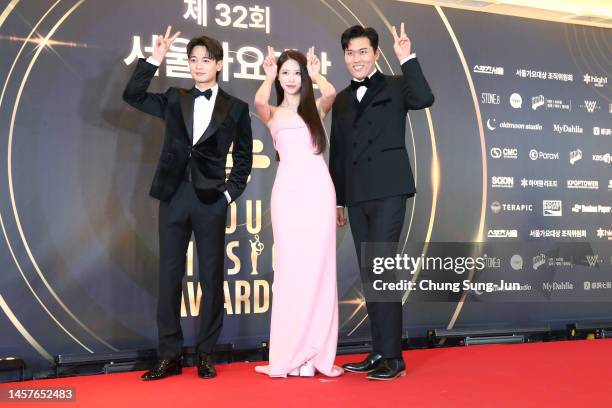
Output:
x=190 y=183
x=371 y=171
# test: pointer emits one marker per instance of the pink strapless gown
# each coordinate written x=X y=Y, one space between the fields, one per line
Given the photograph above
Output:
x=304 y=327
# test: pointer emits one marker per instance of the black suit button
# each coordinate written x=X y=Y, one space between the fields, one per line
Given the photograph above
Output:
x=369 y=141
x=369 y=159
x=354 y=144
x=354 y=163
x=369 y=123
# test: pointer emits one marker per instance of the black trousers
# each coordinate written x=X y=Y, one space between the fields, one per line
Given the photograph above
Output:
x=380 y=220
x=178 y=218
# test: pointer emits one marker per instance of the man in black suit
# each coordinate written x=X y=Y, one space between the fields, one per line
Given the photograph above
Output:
x=201 y=124
x=371 y=171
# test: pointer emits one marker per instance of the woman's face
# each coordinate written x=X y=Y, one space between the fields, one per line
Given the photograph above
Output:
x=290 y=77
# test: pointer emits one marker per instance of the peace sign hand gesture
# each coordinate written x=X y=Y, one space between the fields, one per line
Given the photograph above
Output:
x=313 y=64
x=162 y=44
x=401 y=44
x=269 y=64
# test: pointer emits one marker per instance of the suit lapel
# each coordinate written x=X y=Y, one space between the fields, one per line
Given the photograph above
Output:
x=187 y=110
x=378 y=83
x=222 y=105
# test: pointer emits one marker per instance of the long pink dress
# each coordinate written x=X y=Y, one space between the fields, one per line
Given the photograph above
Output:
x=304 y=325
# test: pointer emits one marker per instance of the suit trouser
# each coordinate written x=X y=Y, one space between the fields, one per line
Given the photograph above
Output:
x=180 y=216
x=380 y=220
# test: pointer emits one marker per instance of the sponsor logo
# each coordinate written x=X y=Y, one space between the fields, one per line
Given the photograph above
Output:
x=497 y=207
x=574 y=156
x=567 y=129
x=550 y=104
x=489 y=98
x=605 y=158
x=552 y=208
x=501 y=233
x=535 y=155
x=504 y=153
x=590 y=106
x=491 y=124
x=583 y=184
x=491 y=262
x=554 y=261
x=521 y=126
x=593 y=261
x=535 y=74
x=486 y=69
x=557 y=233
x=516 y=101
x=604 y=234
x=597 y=81
x=589 y=285
x=599 y=131
x=552 y=286
x=502 y=182
x=609 y=185
x=516 y=262
x=591 y=209
x=539 y=183
x=537 y=101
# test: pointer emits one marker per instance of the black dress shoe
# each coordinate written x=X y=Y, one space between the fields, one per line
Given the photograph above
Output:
x=365 y=366
x=164 y=368
x=388 y=369
x=205 y=369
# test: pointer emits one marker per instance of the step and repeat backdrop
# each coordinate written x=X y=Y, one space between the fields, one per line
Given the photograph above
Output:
x=516 y=152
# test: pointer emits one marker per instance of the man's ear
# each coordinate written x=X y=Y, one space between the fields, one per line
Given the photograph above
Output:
x=219 y=65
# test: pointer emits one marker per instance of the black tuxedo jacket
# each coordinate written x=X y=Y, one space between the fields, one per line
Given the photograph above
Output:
x=204 y=162
x=368 y=158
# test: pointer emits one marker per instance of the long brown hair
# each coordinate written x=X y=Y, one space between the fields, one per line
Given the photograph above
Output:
x=307 y=109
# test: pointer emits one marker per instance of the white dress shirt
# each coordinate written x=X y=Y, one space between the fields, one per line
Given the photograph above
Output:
x=202 y=113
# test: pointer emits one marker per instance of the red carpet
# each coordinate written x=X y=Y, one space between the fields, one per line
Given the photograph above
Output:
x=557 y=374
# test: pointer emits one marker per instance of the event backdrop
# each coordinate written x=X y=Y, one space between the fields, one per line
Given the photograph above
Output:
x=516 y=149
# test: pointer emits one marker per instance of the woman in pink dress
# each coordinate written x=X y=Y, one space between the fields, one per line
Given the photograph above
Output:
x=304 y=327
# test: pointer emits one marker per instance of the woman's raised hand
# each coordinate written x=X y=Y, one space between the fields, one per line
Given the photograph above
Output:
x=269 y=64
x=313 y=64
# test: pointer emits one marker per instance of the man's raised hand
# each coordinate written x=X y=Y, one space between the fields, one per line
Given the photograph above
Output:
x=401 y=43
x=162 y=44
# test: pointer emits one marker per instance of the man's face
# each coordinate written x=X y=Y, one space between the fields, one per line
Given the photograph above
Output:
x=203 y=69
x=360 y=57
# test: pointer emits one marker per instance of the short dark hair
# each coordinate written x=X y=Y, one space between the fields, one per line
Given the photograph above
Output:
x=213 y=47
x=357 y=31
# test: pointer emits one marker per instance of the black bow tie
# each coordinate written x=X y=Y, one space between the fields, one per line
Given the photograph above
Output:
x=196 y=93
x=356 y=85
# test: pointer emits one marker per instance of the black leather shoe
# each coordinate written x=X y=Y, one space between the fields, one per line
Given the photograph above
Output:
x=164 y=368
x=205 y=369
x=365 y=366
x=388 y=369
